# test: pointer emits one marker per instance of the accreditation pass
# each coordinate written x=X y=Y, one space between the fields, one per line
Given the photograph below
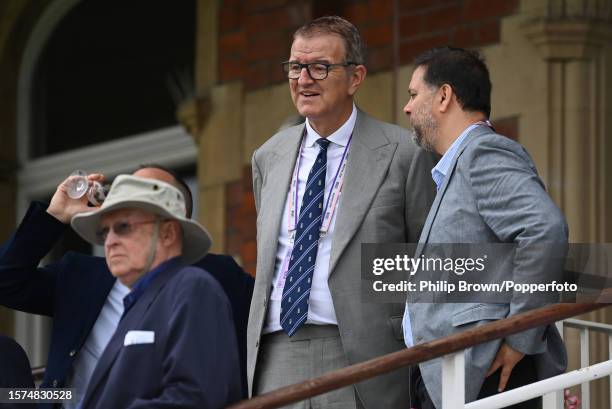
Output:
x=35 y=395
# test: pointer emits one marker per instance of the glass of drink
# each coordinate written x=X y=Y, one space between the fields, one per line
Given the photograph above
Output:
x=78 y=185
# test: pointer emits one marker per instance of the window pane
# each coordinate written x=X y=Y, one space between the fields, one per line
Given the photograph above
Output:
x=104 y=73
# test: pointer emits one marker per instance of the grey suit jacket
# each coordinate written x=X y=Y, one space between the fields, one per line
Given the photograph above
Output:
x=386 y=196
x=491 y=194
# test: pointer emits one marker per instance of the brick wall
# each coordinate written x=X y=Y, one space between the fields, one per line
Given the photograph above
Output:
x=462 y=23
x=240 y=218
x=508 y=126
x=255 y=35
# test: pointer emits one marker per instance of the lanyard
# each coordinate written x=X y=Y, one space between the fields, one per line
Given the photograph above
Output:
x=333 y=197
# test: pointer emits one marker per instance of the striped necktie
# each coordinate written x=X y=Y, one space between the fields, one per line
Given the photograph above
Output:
x=296 y=291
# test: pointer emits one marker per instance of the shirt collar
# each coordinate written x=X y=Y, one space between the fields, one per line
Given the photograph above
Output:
x=439 y=172
x=143 y=282
x=340 y=137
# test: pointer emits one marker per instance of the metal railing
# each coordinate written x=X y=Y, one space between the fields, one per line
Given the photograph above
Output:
x=585 y=327
x=38 y=373
x=441 y=347
x=451 y=350
x=552 y=388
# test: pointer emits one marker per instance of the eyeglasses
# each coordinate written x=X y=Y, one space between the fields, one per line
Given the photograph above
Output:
x=316 y=70
x=121 y=229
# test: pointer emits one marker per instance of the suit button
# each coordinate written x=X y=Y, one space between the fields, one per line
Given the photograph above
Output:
x=72 y=353
x=55 y=383
x=265 y=303
x=256 y=344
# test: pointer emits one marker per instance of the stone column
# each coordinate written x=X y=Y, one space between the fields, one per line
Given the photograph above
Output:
x=214 y=119
x=574 y=48
x=574 y=38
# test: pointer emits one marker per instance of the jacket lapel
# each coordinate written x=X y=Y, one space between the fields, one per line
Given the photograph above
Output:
x=369 y=157
x=131 y=320
x=274 y=197
x=431 y=216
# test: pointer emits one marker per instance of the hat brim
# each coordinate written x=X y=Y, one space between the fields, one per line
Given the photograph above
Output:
x=196 y=239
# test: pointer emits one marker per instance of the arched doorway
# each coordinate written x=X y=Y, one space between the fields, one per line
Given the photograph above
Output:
x=97 y=91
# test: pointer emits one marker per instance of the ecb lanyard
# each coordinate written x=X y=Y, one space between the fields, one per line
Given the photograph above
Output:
x=331 y=205
x=332 y=199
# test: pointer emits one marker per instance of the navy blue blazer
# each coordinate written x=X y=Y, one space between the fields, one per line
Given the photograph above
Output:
x=73 y=289
x=188 y=360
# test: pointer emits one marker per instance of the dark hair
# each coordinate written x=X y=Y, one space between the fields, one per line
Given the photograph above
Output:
x=180 y=184
x=465 y=71
x=353 y=44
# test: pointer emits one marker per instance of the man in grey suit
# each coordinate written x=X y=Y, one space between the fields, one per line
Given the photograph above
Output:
x=488 y=192
x=306 y=316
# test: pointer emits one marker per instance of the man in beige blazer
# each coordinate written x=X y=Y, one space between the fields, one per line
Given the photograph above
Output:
x=321 y=190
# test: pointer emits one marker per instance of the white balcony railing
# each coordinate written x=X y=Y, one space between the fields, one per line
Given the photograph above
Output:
x=551 y=389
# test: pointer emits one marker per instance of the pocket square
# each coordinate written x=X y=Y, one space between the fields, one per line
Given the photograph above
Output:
x=139 y=337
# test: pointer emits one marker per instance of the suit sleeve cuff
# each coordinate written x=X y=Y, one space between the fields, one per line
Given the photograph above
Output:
x=530 y=342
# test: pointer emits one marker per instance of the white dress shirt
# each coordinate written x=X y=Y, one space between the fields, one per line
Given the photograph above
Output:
x=320 y=305
x=101 y=333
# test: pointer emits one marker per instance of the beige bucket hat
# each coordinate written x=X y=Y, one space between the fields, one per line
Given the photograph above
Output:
x=152 y=195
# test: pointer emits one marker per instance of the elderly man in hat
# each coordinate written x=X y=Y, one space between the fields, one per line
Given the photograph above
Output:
x=174 y=345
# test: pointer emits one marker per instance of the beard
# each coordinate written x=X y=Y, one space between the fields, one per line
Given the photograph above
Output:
x=425 y=131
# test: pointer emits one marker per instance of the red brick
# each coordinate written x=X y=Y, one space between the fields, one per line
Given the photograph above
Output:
x=233 y=194
x=465 y=36
x=410 y=25
x=229 y=19
x=248 y=253
x=379 y=35
x=322 y=8
x=481 y=9
x=356 y=13
x=380 y=59
x=419 y=5
x=257 y=75
x=277 y=74
x=270 y=20
x=247 y=179
x=230 y=3
x=381 y=9
x=231 y=69
x=232 y=43
x=240 y=235
x=273 y=46
x=410 y=49
x=442 y=19
x=258 y=5
x=489 y=33
x=299 y=13
x=507 y=126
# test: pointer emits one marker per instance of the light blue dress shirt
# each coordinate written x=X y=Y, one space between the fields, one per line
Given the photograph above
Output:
x=86 y=359
x=438 y=174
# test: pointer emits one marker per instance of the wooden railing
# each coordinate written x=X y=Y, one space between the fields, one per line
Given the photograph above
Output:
x=418 y=353
x=38 y=373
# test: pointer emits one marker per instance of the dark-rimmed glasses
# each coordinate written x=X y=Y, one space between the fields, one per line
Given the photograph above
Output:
x=121 y=229
x=316 y=70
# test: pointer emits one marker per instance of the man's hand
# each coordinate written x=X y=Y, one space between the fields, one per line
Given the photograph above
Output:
x=63 y=207
x=506 y=359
